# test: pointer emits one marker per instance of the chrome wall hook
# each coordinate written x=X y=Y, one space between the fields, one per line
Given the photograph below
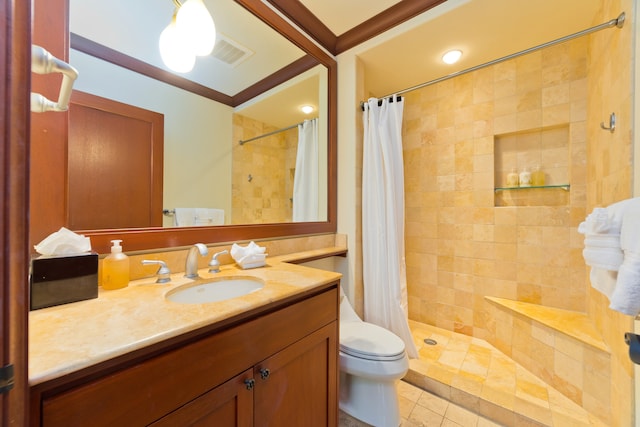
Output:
x=612 y=123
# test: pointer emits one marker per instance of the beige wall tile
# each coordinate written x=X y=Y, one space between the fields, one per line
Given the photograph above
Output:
x=465 y=241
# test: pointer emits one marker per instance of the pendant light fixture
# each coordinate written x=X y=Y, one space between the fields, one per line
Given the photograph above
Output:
x=173 y=51
x=190 y=33
x=196 y=23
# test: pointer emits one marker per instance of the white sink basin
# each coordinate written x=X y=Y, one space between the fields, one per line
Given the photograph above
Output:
x=217 y=290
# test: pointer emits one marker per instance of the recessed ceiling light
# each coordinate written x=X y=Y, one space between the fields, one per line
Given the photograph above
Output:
x=452 y=56
x=307 y=109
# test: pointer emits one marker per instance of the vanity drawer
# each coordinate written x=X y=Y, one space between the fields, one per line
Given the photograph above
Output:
x=143 y=392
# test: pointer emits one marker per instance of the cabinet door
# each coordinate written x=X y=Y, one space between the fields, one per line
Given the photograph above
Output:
x=228 y=405
x=298 y=385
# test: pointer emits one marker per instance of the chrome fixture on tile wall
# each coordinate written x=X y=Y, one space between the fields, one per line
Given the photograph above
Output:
x=612 y=123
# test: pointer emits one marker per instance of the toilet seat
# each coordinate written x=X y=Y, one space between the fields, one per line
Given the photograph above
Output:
x=371 y=342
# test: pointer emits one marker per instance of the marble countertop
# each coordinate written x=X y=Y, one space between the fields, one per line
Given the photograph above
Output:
x=70 y=337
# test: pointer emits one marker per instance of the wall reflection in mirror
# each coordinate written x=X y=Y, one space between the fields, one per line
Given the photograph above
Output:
x=265 y=180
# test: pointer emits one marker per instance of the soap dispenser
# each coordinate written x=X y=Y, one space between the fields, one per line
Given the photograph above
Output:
x=115 y=268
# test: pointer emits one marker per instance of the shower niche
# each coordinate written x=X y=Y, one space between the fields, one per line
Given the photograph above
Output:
x=517 y=157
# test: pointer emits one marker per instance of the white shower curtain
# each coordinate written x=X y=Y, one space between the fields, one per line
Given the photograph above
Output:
x=384 y=271
x=305 y=181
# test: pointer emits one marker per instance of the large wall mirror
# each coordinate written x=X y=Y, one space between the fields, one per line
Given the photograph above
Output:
x=230 y=125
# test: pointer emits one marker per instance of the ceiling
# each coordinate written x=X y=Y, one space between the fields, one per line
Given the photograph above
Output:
x=341 y=16
x=408 y=54
x=134 y=27
x=484 y=30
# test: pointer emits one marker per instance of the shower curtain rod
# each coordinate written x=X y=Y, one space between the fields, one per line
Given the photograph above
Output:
x=243 y=141
x=617 y=22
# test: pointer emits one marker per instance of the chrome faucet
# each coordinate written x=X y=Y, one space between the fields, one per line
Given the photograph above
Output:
x=191 y=264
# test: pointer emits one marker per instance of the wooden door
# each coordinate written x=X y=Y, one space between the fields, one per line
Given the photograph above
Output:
x=15 y=61
x=114 y=168
x=297 y=386
x=228 y=405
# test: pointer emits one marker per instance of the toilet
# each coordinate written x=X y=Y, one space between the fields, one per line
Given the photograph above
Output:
x=372 y=360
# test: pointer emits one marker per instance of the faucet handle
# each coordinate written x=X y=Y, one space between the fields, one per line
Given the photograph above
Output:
x=214 y=264
x=163 y=272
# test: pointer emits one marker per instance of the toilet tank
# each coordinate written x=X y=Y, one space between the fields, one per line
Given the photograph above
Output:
x=338 y=265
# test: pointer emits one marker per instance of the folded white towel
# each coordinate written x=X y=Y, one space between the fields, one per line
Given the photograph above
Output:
x=630 y=229
x=603 y=251
x=603 y=258
x=184 y=217
x=605 y=220
x=626 y=295
x=597 y=222
x=249 y=256
x=207 y=216
x=603 y=241
x=252 y=261
x=617 y=211
x=603 y=280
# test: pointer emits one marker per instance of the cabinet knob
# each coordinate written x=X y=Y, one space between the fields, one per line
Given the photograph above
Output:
x=250 y=383
x=264 y=373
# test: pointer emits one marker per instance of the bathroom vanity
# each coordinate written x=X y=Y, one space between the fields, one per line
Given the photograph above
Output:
x=266 y=358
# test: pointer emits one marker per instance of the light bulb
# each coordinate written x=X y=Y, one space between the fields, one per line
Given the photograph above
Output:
x=196 y=24
x=172 y=49
x=307 y=109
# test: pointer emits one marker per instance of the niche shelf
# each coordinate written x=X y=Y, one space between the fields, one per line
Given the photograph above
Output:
x=561 y=186
x=544 y=146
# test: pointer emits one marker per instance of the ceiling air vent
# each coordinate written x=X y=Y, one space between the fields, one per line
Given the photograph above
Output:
x=230 y=52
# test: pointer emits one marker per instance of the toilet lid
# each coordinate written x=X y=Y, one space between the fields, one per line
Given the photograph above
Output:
x=369 y=341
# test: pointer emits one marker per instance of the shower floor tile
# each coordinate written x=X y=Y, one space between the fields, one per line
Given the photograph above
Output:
x=472 y=374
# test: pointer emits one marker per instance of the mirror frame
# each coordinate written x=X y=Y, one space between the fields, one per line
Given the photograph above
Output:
x=141 y=239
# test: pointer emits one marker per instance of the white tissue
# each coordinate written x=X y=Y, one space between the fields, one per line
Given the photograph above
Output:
x=250 y=256
x=63 y=242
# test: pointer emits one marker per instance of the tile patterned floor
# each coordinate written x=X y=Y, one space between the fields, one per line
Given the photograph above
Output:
x=419 y=408
x=464 y=381
x=474 y=375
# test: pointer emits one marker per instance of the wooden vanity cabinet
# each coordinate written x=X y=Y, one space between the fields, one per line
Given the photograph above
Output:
x=276 y=368
x=229 y=404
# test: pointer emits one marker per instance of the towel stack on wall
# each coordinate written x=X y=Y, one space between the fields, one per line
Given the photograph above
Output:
x=189 y=217
x=612 y=250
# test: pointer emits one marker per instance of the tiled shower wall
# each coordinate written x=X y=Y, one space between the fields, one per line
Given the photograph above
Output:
x=609 y=178
x=263 y=171
x=461 y=246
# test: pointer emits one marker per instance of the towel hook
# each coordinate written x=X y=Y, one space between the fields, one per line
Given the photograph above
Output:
x=612 y=123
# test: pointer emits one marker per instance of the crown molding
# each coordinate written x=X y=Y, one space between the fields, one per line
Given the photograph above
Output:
x=317 y=30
